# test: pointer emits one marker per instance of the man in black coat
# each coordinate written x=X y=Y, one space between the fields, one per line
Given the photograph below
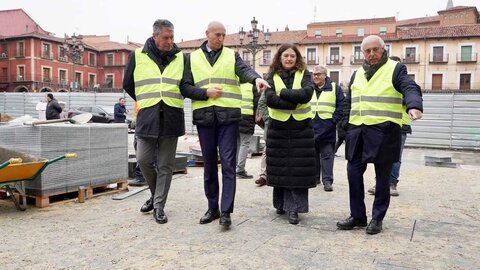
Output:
x=53 y=108
x=217 y=114
x=374 y=115
x=160 y=119
x=119 y=111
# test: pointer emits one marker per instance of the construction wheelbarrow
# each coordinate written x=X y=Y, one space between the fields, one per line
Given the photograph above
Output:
x=14 y=173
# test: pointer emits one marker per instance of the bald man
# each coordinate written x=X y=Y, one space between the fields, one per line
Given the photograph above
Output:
x=216 y=72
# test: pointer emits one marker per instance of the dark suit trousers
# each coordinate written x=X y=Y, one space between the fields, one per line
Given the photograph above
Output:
x=355 y=170
x=225 y=138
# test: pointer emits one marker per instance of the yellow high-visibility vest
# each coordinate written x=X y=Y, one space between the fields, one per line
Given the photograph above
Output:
x=247 y=98
x=324 y=106
x=405 y=117
x=152 y=86
x=222 y=74
x=301 y=112
x=375 y=101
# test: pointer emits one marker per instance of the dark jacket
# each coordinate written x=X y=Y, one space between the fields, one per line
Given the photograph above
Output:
x=214 y=114
x=381 y=142
x=53 y=110
x=160 y=120
x=247 y=124
x=325 y=129
x=290 y=145
x=119 y=113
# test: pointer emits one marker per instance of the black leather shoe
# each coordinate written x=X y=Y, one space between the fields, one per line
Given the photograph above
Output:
x=293 y=218
x=137 y=182
x=225 y=220
x=351 y=223
x=374 y=227
x=210 y=216
x=147 y=206
x=160 y=216
x=280 y=211
x=327 y=187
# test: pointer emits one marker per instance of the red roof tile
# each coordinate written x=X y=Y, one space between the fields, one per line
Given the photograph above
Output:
x=359 y=21
x=343 y=39
x=16 y=22
x=419 y=21
x=439 y=32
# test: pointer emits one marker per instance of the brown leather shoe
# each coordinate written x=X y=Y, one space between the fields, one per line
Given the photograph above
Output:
x=261 y=181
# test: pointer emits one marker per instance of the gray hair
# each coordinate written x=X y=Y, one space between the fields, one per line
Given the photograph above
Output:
x=160 y=23
x=320 y=69
x=373 y=38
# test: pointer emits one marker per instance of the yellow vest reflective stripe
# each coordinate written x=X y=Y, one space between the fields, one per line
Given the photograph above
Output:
x=405 y=117
x=152 y=86
x=222 y=74
x=325 y=104
x=301 y=112
x=375 y=101
x=247 y=98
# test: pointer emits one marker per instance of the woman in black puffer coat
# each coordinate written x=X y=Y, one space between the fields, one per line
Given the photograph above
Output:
x=290 y=143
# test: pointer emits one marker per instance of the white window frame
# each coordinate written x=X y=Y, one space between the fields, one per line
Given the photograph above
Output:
x=339 y=52
x=316 y=55
x=358 y=31
x=94 y=81
x=113 y=78
x=472 y=77
x=50 y=73
x=113 y=59
x=318 y=33
x=410 y=46
x=444 y=45
x=17 y=73
x=66 y=75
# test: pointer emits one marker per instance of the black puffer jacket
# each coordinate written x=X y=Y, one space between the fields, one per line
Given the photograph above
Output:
x=160 y=120
x=290 y=144
x=214 y=114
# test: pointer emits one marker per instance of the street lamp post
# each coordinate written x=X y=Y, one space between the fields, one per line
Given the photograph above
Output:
x=253 y=46
x=73 y=48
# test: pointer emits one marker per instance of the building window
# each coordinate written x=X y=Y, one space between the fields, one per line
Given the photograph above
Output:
x=4 y=52
x=437 y=54
x=78 y=79
x=267 y=57
x=338 y=32
x=383 y=30
x=437 y=81
x=91 y=80
x=62 y=76
x=465 y=81
x=410 y=55
x=4 y=75
x=361 y=32
x=109 y=81
x=311 y=56
x=46 y=51
x=466 y=53
x=62 y=54
x=411 y=77
x=357 y=57
x=20 y=49
x=334 y=57
x=246 y=57
x=21 y=73
x=334 y=76
x=388 y=49
x=318 y=33
x=91 y=59
x=109 y=61
x=46 y=73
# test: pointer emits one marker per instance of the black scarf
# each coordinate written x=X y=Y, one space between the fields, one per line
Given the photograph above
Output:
x=371 y=69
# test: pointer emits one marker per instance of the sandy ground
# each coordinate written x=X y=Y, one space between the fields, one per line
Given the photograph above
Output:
x=433 y=224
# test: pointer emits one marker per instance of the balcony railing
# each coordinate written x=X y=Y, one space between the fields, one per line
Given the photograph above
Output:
x=47 y=55
x=3 y=55
x=411 y=59
x=20 y=54
x=438 y=58
x=334 y=60
x=63 y=58
x=20 y=78
x=265 y=62
x=356 y=59
x=466 y=57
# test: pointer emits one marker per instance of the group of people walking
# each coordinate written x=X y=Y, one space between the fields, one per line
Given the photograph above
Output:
x=303 y=112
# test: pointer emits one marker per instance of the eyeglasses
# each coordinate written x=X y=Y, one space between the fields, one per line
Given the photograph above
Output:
x=318 y=74
x=374 y=50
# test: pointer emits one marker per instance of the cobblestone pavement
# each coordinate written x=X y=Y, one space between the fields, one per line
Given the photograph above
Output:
x=433 y=224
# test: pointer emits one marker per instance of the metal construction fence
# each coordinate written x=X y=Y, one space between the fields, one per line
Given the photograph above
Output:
x=451 y=120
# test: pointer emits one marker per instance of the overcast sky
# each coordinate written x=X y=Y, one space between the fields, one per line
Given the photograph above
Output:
x=120 y=19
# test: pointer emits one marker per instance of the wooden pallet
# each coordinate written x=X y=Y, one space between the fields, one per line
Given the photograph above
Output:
x=42 y=201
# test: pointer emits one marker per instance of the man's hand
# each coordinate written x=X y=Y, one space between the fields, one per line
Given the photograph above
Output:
x=214 y=92
x=415 y=114
x=261 y=84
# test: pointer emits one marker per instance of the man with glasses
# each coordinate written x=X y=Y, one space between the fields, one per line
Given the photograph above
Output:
x=374 y=115
x=327 y=105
